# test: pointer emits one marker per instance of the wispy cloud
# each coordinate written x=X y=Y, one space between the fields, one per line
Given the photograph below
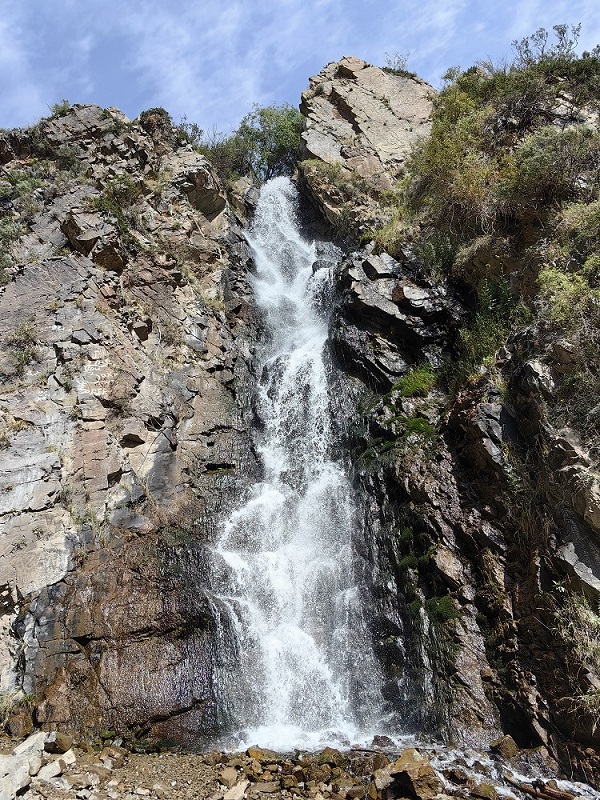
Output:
x=212 y=60
x=22 y=97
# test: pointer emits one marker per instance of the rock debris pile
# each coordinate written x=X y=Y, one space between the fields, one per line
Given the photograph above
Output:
x=46 y=766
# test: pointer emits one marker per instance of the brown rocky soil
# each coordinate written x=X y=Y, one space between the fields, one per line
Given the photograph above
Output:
x=113 y=773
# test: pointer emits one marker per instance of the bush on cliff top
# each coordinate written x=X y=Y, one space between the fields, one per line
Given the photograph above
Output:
x=510 y=143
x=505 y=192
x=264 y=145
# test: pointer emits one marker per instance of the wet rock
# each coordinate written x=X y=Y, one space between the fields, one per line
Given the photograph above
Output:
x=485 y=791
x=262 y=755
x=331 y=756
x=457 y=776
x=505 y=747
x=382 y=741
x=413 y=774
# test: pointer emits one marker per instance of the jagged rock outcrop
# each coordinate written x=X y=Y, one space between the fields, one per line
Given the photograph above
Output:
x=126 y=332
x=387 y=320
x=361 y=123
x=467 y=541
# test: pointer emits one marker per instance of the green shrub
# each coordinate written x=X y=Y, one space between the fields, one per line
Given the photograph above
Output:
x=579 y=626
x=264 y=145
x=435 y=253
x=478 y=342
x=395 y=64
x=10 y=231
x=227 y=154
x=578 y=230
x=156 y=121
x=417 y=426
x=417 y=383
x=441 y=610
x=564 y=295
x=188 y=132
x=68 y=159
x=550 y=166
x=23 y=344
x=272 y=137
x=117 y=198
x=491 y=160
x=59 y=109
x=410 y=561
x=23 y=336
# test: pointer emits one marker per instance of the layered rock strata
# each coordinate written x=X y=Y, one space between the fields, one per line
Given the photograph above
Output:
x=360 y=125
x=127 y=333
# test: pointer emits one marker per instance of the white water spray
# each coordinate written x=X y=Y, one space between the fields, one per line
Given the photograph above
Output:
x=304 y=674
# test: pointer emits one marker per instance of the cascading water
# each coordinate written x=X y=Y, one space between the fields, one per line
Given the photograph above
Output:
x=300 y=671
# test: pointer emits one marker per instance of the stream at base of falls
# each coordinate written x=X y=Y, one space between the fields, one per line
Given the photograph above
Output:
x=296 y=667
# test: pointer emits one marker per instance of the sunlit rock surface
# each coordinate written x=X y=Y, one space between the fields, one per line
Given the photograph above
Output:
x=125 y=360
x=361 y=123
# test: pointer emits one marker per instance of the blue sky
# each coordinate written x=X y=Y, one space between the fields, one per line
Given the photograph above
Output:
x=211 y=60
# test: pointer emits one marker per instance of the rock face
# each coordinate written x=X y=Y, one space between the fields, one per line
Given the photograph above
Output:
x=361 y=123
x=126 y=353
x=386 y=320
x=364 y=118
x=466 y=626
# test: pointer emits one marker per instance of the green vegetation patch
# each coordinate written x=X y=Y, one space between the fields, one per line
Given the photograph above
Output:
x=117 y=199
x=417 y=383
x=441 y=610
x=264 y=145
x=578 y=624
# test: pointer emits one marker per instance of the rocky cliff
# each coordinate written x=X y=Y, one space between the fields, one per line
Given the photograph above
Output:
x=127 y=333
x=128 y=327
x=481 y=510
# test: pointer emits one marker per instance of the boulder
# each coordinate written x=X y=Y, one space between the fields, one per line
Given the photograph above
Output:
x=95 y=237
x=263 y=755
x=413 y=775
x=506 y=747
x=57 y=742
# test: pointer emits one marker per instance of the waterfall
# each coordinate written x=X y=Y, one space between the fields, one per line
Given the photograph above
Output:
x=298 y=668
